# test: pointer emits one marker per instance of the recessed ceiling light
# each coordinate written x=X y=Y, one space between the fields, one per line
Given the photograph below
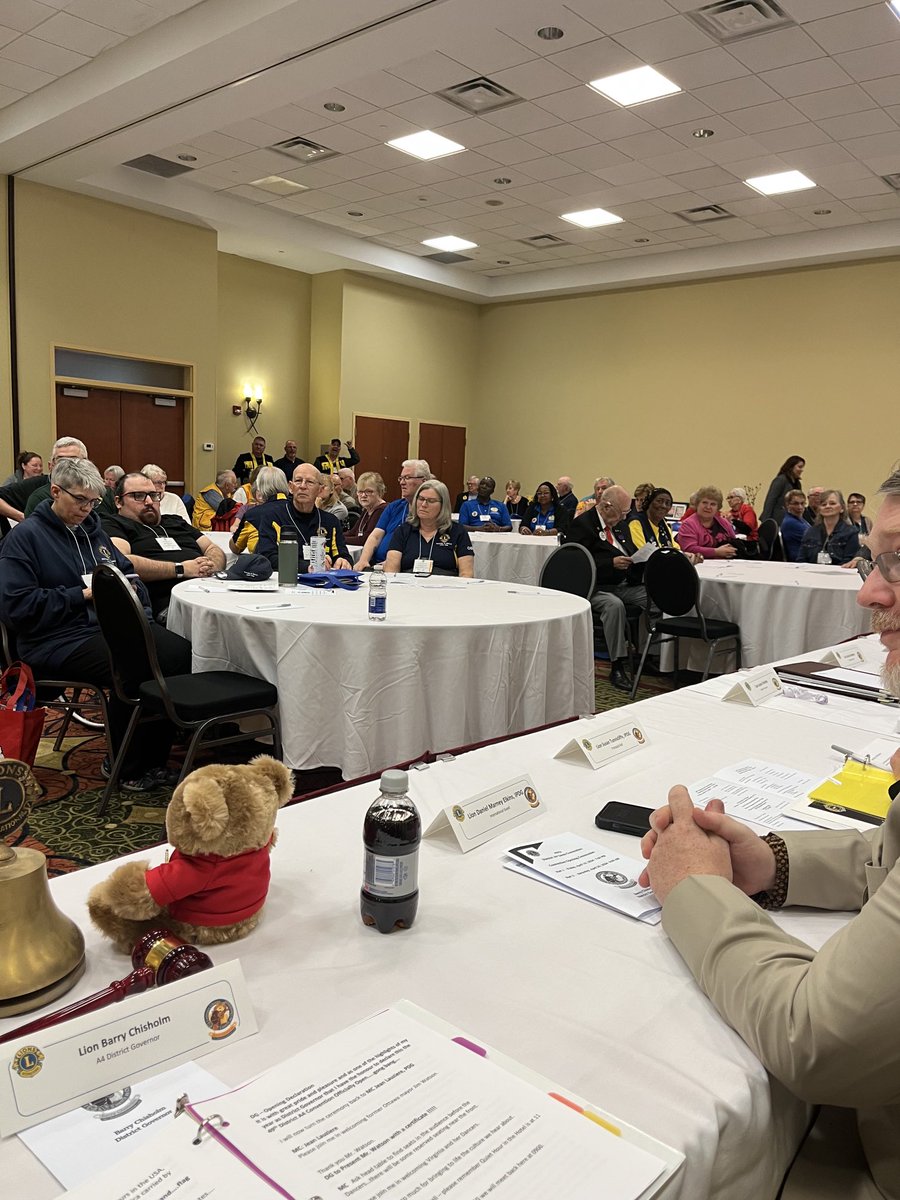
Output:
x=894 y=6
x=550 y=33
x=590 y=218
x=333 y=106
x=641 y=241
x=821 y=212
x=780 y=182
x=354 y=212
x=634 y=87
x=426 y=145
x=502 y=180
x=187 y=157
x=449 y=243
x=703 y=133
x=279 y=185
x=503 y=262
x=494 y=203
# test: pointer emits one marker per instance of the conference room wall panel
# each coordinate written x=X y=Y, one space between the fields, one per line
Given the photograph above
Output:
x=104 y=277
x=263 y=340
x=5 y=394
x=410 y=354
x=709 y=382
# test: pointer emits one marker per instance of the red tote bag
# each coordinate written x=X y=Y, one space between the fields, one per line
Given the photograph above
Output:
x=21 y=724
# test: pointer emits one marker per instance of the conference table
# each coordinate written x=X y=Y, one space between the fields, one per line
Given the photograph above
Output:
x=597 y=1002
x=784 y=609
x=511 y=557
x=457 y=661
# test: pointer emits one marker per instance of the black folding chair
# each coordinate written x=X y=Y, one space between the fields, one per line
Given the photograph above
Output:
x=771 y=547
x=53 y=693
x=673 y=587
x=570 y=568
x=194 y=703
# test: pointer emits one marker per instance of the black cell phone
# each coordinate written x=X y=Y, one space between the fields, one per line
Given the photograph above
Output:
x=624 y=818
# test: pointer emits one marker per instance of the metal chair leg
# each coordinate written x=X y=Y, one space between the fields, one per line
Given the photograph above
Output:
x=118 y=762
x=640 y=670
x=709 y=658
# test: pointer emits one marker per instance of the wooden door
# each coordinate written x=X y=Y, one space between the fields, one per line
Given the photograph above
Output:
x=444 y=449
x=382 y=445
x=94 y=416
x=153 y=432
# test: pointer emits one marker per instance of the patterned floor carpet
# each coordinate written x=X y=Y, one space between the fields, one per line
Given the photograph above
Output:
x=64 y=824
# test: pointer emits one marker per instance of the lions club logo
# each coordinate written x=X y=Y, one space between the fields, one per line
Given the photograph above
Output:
x=27 y=1062
x=532 y=797
x=219 y=1017
x=587 y=744
x=458 y=812
x=638 y=735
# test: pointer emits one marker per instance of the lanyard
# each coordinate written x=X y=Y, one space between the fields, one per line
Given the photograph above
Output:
x=306 y=541
x=430 y=545
x=84 y=567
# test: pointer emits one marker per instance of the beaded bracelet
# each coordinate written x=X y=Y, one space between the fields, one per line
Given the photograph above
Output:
x=777 y=893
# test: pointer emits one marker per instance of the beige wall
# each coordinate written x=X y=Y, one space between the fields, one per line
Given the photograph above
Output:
x=263 y=339
x=712 y=382
x=7 y=460
x=326 y=338
x=103 y=277
x=408 y=354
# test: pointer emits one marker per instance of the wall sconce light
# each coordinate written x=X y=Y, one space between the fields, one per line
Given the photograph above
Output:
x=252 y=410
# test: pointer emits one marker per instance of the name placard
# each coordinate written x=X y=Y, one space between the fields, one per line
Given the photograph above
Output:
x=60 y=1068
x=603 y=744
x=755 y=688
x=496 y=810
x=844 y=656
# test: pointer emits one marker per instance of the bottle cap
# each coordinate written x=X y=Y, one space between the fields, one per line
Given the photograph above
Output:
x=396 y=783
x=288 y=535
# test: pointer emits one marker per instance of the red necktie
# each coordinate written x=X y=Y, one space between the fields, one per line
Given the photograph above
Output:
x=609 y=536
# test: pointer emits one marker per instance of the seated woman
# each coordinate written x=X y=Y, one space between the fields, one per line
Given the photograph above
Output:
x=639 y=499
x=742 y=516
x=516 y=504
x=545 y=516
x=833 y=538
x=269 y=483
x=370 y=494
x=793 y=527
x=329 y=502
x=650 y=524
x=706 y=532
x=428 y=542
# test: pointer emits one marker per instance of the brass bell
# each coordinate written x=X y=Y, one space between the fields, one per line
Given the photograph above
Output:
x=41 y=949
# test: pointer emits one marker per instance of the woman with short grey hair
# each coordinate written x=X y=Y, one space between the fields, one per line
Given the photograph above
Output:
x=428 y=542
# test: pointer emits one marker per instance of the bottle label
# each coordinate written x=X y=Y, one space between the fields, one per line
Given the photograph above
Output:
x=377 y=604
x=389 y=875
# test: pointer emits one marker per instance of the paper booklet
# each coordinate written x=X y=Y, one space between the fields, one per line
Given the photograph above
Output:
x=400 y=1105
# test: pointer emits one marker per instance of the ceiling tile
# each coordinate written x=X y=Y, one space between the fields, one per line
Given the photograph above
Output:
x=647 y=145
x=791 y=138
x=625 y=173
x=521 y=118
x=594 y=60
x=815 y=76
x=873 y=62
x=851 y=188
x=23 y=15
x=851 y=30
x=858 y=125
x=523 y=28
x=612 y=16
x=461 y=188
x=122 y=16
x=560 y=138
x=807 y=158
x=548 y=167
x=539 y=77
x=665 y=39
x=808 y=10
x=43 y=56
x=487 y=53
x=877 y=145
x=21 y=78
x=427 y=112
x=9 y=96
x=260 y=133
x=513 y=150
x=82 y=36
x=836 y=102
x=617 y=123
x=342 y=138
x=591 y=158
x=682 y=160
x=220 y=144
x=353 y=107
x=701 y=180
x=780 y=48
x=383 y=126
x=576 y=104
x=762 y=117
x=469 y=131
x=735 y=93
x=431 y=72
x=731 y=150
x=707 y=67
x=885 y=90
x=675 y=110
x=383 y=90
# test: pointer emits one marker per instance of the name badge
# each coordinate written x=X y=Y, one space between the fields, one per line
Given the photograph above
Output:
x=479 y=818
x=602 y=743
x=823 y=558
x=844 y=656
x=88 y=579
x=307 y=552
x=484 y=517
x=167 y=543
x=422 y=566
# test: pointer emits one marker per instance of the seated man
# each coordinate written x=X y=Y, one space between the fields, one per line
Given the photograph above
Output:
x=413 y=472
x=171 y=505
x=216 y=507
x=567 y=497
x=603 y=532
x=485 y=514
x=331 y=463
x=824 y=1024
x=300 y=514
x=163 y=550
x=469 y=494
x=46 y=565
x=601 y=483
x=246 y=464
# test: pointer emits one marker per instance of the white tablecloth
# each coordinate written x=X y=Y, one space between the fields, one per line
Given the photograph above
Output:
x=783 y=609
x=599 y=1003
x=222 y=540
x=457 y=661
x=510 y=557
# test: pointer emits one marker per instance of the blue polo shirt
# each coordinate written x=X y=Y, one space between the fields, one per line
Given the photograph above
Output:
x=394 y=514
x=473 y=512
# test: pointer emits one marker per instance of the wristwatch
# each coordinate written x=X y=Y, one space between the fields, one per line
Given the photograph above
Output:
x=179 y=570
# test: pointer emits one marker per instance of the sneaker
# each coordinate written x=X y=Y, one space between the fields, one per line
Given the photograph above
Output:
x=106 y=767
x=152 y=779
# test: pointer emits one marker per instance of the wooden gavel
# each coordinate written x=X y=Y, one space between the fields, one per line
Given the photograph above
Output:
x=159 y=957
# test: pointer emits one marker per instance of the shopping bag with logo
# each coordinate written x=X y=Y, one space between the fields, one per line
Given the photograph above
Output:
x=21 y=723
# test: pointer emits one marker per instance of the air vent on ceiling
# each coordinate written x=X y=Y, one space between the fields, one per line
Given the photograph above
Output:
x=154 y=165
x=303 y=150
x=707 y=212
x=479 y=95
x=893 y=180
x=543 y=239
x=448 y=257
x=731 y=20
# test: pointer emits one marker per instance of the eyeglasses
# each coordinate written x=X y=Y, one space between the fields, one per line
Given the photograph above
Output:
x=365 y=491
x=408 y=478
x=81 y=501
x=429 y=500
x=142 y=497
x=888 y=564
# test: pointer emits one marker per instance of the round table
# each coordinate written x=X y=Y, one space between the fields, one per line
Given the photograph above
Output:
x=784 y=609
x=510 y=557
x=457 y=661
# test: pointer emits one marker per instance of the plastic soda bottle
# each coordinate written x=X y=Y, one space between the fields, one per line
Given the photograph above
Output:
x=392 y=831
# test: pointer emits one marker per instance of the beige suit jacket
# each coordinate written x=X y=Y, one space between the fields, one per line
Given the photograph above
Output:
x=826 y=1024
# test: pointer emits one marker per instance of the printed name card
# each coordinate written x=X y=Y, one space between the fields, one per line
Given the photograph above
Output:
x=60 y=1068
x=497 y=810
x=844 y=656
x=602 y=744
x=755 y=688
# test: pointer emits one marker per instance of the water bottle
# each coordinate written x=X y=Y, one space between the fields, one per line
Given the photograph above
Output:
x=392 y=831
x=287 y=558
x=317 y=555
x=377 y=594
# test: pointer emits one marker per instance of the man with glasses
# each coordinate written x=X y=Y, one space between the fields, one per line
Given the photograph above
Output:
x=824 y=1024
x=602 y=531
x=19 y=499
x=300 y=514
x=413 y=472
x=46 y=567
x=163 y=550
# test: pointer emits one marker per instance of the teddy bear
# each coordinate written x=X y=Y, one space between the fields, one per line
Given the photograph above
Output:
x=221 y=821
